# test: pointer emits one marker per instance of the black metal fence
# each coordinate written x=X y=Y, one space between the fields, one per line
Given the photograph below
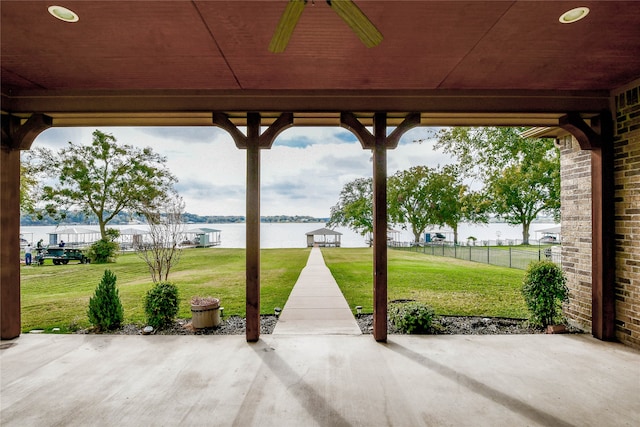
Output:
x=503 y=256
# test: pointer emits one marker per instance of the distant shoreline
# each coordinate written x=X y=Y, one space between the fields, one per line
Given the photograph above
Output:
x=125 y=219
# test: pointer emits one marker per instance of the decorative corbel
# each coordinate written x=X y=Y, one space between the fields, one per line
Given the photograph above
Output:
x=367 y=139
x=20 y=136
x=350 y=122
x=588 y=137
x=410 y=121
x=266 y=139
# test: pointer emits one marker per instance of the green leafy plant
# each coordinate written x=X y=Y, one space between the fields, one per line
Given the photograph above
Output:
x=103 y=251
x=412 y=317
x=544 y=289
x=106 y=249
x=161 y=304
x=105 y=308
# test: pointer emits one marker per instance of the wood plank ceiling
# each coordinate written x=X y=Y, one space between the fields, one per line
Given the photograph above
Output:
x=179 y=60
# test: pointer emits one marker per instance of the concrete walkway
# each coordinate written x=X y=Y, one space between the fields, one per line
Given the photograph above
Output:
x=316 y=306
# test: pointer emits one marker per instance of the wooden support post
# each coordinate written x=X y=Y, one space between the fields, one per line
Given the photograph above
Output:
x=16 y=136
x=380 y=228
x=253 y=228
x=598 y=138
x=379 y=142
x=10 y=324
x=253 y=142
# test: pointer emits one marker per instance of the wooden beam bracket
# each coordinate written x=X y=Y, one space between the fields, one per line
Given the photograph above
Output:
x=222 y=120
x=368 y=141
x=266 y=139
x=410 y=121
x=350 y=122
x=588 y=137
x=20 y=136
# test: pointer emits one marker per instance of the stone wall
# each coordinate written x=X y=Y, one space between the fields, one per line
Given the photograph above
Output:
x=575 y=173
x=627 y=211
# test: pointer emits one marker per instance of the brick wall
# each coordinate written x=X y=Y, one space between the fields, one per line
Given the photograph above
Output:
x=627 y=211
x=575 y=167
x=575 y=172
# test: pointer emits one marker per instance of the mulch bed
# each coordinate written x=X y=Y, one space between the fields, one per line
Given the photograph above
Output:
x=442 y=325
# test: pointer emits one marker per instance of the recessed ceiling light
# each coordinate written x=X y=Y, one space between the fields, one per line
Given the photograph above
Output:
x=574 y=15
x=63 y=14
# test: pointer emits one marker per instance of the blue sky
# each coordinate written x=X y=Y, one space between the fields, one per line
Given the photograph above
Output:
x=302 y=174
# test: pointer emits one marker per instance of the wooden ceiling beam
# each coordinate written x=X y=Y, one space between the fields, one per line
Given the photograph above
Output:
x=187 y=108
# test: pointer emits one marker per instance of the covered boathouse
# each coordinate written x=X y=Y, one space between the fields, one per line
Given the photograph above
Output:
x=323 y=237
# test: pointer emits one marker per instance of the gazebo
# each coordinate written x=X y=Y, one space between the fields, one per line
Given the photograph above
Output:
x=323 y=237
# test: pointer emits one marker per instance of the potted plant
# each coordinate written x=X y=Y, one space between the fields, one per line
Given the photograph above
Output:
x=544 y=290
x=205 y=312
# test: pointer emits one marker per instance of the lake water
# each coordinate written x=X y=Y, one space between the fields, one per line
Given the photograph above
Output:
x=292 y=235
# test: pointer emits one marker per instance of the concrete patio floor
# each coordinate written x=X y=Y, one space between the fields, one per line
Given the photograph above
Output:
x=324 y=380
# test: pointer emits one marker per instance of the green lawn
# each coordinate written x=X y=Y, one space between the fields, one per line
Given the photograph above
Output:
x=450 y=286
x=58 y=296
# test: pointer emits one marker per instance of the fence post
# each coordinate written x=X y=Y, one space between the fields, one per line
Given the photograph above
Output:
x=509 y=256
x=488 y=256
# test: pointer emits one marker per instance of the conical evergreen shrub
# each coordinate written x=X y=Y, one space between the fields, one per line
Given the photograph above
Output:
x=105 y=308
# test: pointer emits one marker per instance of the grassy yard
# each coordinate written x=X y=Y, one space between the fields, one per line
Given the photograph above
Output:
x=58 y=296
x=450 y=286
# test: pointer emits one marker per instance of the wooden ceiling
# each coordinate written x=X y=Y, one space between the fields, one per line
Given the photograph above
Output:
x=173 y=62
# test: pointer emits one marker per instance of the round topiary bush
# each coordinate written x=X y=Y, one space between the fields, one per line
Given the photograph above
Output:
x=161 y=304
x=544 y=289
x=412 y=317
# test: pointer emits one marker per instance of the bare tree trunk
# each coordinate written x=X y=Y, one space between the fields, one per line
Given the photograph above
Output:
x=525 y=233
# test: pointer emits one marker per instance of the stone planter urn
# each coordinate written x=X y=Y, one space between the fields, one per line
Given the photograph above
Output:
x=205 y=312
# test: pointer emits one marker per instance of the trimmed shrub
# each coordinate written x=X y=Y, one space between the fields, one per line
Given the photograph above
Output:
x=544 y=289
x=161 y=304
x=103 y=251
x=412 y=317
x=105 y=308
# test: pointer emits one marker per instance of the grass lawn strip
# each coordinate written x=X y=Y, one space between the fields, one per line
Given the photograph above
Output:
x=58 y=296
x=451 y=286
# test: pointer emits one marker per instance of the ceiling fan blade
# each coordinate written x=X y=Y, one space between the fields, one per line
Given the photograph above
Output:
x=358 y=21
x=287 y=24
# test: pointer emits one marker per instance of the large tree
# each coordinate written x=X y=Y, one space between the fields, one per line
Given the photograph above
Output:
x=521 y=176
x=355 y=207
x=103 y=178
x=454 y=202
x=423 y=197
x=410 y=199
x=520 y=192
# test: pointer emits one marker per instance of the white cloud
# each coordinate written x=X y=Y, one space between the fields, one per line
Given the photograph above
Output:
x=302 y=174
